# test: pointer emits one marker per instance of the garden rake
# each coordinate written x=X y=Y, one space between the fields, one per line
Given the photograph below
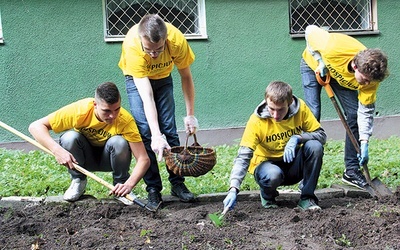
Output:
x=130 y=197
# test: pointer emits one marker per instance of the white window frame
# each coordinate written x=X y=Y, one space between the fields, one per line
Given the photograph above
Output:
x=1 y=31
x=201 y=32
x=373 y=21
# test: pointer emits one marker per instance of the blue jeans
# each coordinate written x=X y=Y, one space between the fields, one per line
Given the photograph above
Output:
x=306 y=166
x=347 y=98
x=114 y=157
x=165 y=105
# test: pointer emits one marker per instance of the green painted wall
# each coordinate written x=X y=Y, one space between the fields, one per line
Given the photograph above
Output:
x=54 y=53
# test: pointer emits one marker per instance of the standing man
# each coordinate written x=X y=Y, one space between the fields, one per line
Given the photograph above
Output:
x=149 y=52
x=100 y=136
x=282 y=144
x=355 y=75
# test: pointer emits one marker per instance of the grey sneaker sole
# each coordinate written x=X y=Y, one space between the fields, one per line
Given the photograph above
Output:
x=312 y=208
x=270 y=206
x=73 y=199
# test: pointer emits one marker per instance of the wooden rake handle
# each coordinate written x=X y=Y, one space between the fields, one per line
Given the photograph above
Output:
x=77 y=167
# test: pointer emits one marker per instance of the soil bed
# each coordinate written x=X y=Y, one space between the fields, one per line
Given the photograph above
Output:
x=343 y=223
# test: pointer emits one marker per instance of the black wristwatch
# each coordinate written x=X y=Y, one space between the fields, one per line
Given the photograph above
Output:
x=236 y=190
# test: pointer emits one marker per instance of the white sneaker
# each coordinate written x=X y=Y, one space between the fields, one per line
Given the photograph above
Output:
x=125 y=200
x=75 y=190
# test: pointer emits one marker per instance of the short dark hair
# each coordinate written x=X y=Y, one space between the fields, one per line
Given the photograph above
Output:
x=372 y=63
x=153 y=28
x=108 y=92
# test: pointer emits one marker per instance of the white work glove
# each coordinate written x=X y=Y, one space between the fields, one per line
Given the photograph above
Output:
x=230 y=199
x=321 y=68
x=158 y=144
x=191 y=124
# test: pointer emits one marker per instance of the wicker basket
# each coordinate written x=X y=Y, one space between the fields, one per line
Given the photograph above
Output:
x=193 y=161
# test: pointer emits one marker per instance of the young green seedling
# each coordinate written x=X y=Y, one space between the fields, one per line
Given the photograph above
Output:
x=217 y=218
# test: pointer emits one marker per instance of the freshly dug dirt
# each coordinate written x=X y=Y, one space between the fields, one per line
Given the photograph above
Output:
x=343 y=223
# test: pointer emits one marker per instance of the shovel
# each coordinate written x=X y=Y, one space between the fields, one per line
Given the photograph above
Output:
x=130 y=197
x=374 y=187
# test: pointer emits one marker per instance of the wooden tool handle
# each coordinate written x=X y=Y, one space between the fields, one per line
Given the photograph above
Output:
x=77 y=167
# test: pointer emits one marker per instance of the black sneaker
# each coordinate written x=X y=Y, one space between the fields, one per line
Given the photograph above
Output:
x=154 y=199
x=355 y=178
x=180 y=190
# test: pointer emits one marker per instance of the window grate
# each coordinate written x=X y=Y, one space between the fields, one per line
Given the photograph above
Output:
x=120 y=15
x=343 y=16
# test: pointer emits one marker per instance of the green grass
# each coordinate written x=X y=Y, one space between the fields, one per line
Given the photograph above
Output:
x=37 y=173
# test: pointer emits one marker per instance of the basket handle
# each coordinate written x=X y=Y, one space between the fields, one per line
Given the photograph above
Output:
x=195 y=140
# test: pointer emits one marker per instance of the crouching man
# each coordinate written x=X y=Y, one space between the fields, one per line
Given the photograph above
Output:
x=282 y=144
x=99 y=135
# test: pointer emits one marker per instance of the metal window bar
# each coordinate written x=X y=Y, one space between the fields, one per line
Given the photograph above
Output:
x=121 y=15
x=342 y=15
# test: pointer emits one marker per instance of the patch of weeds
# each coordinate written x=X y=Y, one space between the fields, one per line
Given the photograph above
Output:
x=228 y=241
x=377 y=213
x=192 y=238
x=217 y=219
x=8 y=214
x=343 y=241
x=384 y=209
x=145 y=232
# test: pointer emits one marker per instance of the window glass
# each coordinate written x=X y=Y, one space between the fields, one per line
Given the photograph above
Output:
x=340 y=16
x=120 y=15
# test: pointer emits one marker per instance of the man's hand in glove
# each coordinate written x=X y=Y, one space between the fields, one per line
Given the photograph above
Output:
x=158 y=144
x=363 y=156
x=321 y=68
x=230 y=199
x=290 y=149
x=191 y=124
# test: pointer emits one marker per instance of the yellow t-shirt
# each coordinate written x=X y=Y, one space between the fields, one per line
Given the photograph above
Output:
x=80 y=116
x=337 y=50
x=268 y=137
x=135 y=62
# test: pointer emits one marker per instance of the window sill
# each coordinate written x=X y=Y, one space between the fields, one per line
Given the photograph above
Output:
x=350 y=33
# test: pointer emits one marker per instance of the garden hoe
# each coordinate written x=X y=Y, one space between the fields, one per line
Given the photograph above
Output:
x=130 y=197
x=374 y=187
